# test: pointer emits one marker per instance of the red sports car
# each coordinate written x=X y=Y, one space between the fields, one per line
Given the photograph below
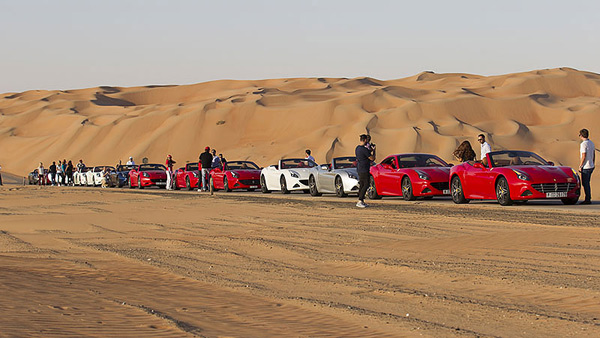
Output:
x=146 y=175
x=187 y=177
x=511 y=175
x=236 y=175
x=410 y=176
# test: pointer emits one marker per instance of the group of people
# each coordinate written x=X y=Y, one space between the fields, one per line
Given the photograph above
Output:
x=58 y=174
x=207 y=161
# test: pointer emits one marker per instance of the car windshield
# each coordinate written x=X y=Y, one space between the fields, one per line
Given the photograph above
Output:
x=420 y=160
x=297 y=163
x=101 y=168
x=240 y=165
x=125 y=167
x=150 y=167
x=515 y=157
x=191 y=166
x=344 y=162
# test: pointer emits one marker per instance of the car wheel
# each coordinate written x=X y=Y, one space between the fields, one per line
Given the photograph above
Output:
x=282 y=182
x=263 y=185
x=458 y=195
x=407 y=191
x=569 y=201
x=372 y=190
x=188 y=185
x=339 y=187
x=312 y=185
x=226 y=184
x=503 y=192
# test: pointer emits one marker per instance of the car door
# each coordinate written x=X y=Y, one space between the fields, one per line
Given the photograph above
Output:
x=477 y=177
x=388 y=177
x=217 y=175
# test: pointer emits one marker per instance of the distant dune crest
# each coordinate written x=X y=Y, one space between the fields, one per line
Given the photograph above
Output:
x=265 y=120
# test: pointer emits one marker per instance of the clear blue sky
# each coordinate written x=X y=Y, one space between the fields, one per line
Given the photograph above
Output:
x=74 y=44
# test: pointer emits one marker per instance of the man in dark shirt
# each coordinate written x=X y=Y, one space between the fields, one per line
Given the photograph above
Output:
x=205 y=164
x=364 y=156
x=52 y=172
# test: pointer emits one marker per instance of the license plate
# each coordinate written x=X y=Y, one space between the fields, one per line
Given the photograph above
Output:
x=161 y=183
x=446 y=191
x=254 y=187
x=556 y=194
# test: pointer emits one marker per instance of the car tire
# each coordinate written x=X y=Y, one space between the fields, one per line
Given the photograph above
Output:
x=226 y=185
x=263 y=185
x=312 y=185
x=456 y=190
x=407 y=190
x=503 y=192
x=372 y=190
x=339 y=187
x=283 y=184
x=569 y=201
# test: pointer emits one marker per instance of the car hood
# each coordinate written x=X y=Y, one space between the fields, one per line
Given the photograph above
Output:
x=155 y=173
x=247 y=173
x=435 y=173
x=545 y=174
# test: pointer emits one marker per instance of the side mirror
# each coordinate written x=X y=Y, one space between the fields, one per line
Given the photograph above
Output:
x=478 y=165
x=324 y=167
x=550 y=163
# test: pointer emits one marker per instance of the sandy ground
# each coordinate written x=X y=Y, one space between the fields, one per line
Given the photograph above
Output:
x=88 y=262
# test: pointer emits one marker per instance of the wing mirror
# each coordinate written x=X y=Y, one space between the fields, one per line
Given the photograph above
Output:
x=478 y=165
x=324 y=167
x=550 y=163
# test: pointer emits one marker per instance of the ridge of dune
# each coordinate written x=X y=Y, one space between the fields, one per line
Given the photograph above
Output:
x=265 y=120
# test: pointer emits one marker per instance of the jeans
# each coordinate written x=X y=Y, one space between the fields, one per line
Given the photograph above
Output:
x=205 y=172
x=169 y=180
x=363 y=181
x=586 y=177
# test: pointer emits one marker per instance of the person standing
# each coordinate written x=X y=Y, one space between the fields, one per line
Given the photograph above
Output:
x=587 y=151
x=41 y=178
x=59 y=173
x=52 y=172
x=309 y=156
x=80 y=165
x=364 y=157
x=205 y=164
x=169 y=163
x=131 y=161
x=0 y=175
x=216 y=161
x=69 y=173
x=485 y=147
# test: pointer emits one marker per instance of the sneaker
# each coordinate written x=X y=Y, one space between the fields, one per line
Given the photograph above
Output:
x=586 y=202
x=361 y=204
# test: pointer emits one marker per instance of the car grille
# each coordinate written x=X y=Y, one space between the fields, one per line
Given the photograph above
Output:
x=440 y=185
x=250 y=182
x=305 y=182
x=553 y=187
x=156 y=180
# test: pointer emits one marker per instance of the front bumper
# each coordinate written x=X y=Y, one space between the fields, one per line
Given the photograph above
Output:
x=556 y=190
x=426 y=188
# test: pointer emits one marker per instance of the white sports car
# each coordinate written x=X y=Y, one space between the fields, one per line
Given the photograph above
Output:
x=79 y=177
x=340 y=178
x=94 y=176
x=289 y=175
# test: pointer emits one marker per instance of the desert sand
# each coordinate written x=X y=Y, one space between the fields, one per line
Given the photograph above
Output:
x=83 y=262
x=266 y=120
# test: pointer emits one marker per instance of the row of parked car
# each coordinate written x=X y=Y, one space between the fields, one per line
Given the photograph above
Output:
x=507 y=176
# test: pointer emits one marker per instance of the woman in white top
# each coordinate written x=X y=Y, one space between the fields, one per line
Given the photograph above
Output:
x=41 y=180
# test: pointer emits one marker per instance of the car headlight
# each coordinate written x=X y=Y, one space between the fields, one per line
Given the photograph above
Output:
x=423 y=175
x=350 y=175
x=294 y=174
x=145 y=175
x=234 y=174
x=575 y=174
x=521 y=175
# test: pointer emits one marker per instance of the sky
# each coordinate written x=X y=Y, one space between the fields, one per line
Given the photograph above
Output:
x=78 y=44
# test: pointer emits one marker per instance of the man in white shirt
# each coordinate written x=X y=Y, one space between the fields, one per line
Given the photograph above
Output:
x=130 y=162
x=485 y=147
x=308 y=156
x=587 y=152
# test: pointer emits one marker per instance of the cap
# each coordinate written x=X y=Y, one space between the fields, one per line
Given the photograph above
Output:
x=131 y=158
x=207 y=148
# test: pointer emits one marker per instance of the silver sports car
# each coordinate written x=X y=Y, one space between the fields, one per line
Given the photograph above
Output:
x=340 y=177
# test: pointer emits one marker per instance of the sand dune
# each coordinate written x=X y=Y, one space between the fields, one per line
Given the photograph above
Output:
x=269 y=119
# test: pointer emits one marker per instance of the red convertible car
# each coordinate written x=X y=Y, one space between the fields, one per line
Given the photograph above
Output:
x=146 y=175
x=187 y=177
x=510 y=176
x=236 y=175
x=410 y=176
